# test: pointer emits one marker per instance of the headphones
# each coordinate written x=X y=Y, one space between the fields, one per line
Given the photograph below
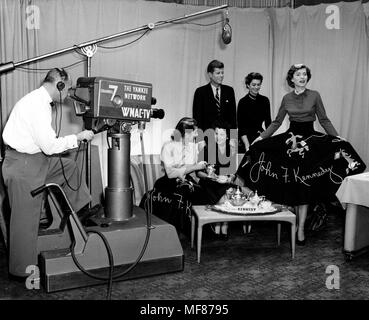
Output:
x=63 y=75
x=60 y=85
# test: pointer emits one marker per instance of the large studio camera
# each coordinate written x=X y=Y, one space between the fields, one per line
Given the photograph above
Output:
x=115 y=105
x=106 y=102
x=124 y=236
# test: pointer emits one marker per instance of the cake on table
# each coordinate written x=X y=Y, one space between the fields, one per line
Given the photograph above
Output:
x=238 y=203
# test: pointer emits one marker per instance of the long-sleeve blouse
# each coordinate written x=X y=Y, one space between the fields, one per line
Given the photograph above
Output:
x=175 y=156
x=302 y=107
x=251 y=114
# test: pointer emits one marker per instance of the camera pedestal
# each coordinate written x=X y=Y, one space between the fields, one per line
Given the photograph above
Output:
x=163 y=253
x=147 y=242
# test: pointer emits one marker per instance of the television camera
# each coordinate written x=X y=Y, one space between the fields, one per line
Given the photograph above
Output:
x=133 y=239
x=115 y=105
x=105 y=102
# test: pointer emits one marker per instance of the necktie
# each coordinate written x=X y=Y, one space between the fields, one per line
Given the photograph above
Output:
x=217 y=99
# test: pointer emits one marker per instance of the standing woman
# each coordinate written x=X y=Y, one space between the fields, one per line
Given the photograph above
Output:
x=253 y=111
x=300 y=166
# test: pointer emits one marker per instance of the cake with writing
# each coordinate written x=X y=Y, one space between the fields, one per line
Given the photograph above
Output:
x=237 y=202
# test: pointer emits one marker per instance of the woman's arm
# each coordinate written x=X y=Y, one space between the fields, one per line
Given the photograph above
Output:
x=245 y=142
x=171 y=157
x=201 y=174
x=273 y=127
x=242 y=117
x=323 y=118
x=267 y=116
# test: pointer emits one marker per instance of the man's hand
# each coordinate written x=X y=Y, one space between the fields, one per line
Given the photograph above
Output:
x=85 y=135
x=201 y=145
x=233 y=143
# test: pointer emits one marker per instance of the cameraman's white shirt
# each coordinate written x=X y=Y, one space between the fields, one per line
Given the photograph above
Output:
x=29 y=129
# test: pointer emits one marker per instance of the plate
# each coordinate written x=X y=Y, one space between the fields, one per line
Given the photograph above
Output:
x=219 y=209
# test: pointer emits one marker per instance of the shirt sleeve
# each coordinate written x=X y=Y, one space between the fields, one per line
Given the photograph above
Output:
x=45 y=137
x=172 y=169
x=197 y=109
x=232 y=111
x=273 y=127
x=323 y=118
x=267 y=116
x=241 y=118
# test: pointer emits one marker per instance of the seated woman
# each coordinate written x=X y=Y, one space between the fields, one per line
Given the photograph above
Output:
x=221 y=157
x=179 y=157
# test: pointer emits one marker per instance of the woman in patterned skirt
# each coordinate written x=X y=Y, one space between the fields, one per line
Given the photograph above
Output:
x=300 y=166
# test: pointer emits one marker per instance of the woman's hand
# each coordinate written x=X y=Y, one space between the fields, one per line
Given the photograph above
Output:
x=201 y=165
x=231 y=178
x=257 y=139
x=343 y=139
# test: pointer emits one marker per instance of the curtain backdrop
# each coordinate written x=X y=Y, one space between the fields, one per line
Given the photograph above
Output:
x=174 y=57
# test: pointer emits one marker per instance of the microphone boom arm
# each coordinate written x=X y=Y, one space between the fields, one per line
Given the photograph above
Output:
x=9 y=66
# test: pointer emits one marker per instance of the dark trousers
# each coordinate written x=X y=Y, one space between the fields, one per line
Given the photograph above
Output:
x=23 y=173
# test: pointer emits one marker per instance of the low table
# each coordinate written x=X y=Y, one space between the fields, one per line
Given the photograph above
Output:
x=203 y=215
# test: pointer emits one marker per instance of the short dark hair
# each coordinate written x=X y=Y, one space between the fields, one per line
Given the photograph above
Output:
x=184 y=124
x=215 y=64
x=292 y=71
x=251 y=76
x=56 y=74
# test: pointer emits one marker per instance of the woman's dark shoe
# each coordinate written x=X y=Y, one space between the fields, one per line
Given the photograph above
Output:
x=299 y=242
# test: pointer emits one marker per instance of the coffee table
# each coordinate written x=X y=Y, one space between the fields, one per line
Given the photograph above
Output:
x=203 y=215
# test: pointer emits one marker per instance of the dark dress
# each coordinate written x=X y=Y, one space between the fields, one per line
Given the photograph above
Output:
x=301 y=165
x=251 y=114
x=172 y=197
x=222 y=164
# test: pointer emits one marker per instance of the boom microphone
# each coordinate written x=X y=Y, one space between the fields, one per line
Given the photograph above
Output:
x=227 y=33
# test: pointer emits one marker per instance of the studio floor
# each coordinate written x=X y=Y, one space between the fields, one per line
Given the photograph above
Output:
x=246 y=267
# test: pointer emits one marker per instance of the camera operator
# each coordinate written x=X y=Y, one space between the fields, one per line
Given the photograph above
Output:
x=31 y=160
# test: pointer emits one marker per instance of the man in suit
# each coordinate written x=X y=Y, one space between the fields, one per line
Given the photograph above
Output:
x=214 y=100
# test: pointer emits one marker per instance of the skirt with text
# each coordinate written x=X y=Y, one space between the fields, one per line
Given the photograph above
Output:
x=299 y=166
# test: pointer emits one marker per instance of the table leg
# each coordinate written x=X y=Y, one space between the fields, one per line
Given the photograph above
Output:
x=193 y=222
x=199 y=237
x=293 y=234
x=278 y=234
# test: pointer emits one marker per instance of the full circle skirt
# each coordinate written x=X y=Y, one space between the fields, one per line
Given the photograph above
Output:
x=299 y=166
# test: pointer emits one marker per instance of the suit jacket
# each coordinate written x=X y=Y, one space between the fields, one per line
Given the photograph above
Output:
x=205 y=109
